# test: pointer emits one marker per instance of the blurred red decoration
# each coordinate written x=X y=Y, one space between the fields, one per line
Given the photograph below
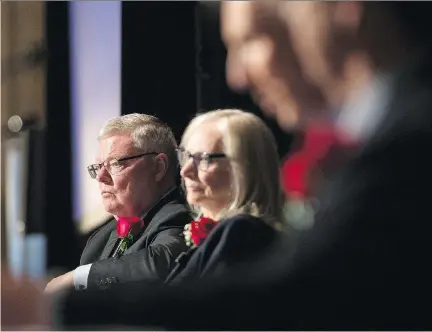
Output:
x=318 y=142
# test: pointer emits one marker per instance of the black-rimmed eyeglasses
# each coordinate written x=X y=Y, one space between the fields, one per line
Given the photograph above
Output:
x=113 y=166
x=201 y=160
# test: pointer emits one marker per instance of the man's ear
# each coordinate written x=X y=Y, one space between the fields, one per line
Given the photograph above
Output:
x=162 y=165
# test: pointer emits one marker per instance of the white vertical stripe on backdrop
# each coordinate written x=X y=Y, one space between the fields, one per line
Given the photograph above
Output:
x=95 y=55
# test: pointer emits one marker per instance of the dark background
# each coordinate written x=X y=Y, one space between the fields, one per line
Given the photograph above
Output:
x=173 y=65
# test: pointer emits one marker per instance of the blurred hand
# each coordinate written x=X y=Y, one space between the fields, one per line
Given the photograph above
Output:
x=24 y=305
x=62 y=282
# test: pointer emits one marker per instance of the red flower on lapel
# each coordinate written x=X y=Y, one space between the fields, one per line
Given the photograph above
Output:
x=198 y=230
x=127 y=228
x=128 y=225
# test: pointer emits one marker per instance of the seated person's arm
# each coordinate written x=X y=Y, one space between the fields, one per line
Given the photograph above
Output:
x=151 y=263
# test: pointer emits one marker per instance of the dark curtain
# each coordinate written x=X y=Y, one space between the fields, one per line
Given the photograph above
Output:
x=60 y=229
x=173 y=64
x=158 y=61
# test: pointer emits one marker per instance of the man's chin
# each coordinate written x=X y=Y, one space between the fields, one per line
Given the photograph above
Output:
x=289 y=125
x=287 y=119
x=194 y=199
x=112 y=209
x=294 y=121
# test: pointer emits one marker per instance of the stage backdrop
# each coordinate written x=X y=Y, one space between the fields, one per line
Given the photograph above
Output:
x=95 y=57
x=164 y=58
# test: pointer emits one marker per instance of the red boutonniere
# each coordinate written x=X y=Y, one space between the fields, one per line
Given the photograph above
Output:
x=323 y=150
x=127 y=228
x=197 y=231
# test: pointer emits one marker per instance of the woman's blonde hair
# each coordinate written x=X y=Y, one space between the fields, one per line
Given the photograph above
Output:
x=251 y=149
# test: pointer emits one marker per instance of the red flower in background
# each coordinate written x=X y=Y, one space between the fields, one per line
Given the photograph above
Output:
x=316 y=152
x=323 y=152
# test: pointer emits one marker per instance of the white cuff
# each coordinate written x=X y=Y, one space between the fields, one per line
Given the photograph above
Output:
x=80 y=276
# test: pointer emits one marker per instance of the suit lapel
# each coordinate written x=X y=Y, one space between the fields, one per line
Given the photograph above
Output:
x=108 y=235
x=147 y=219
x=171 y=196
x=153 y=218
x=147 y=227
x=97 y=243
x=110 y=245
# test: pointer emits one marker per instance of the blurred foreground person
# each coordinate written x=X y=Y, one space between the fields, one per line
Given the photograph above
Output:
x=22 y=305
x=136 y=172
x=364 y=265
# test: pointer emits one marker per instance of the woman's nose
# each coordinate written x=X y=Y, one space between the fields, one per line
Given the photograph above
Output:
x=189 y=169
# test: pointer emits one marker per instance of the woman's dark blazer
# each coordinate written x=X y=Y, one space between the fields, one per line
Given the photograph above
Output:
x=233 y=241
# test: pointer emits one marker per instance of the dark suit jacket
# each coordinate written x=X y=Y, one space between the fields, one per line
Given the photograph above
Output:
x=233 y=241
x=150 y=257
x=364 y=265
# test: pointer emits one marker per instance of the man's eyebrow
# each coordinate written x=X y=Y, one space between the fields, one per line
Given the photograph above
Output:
x=98 y=160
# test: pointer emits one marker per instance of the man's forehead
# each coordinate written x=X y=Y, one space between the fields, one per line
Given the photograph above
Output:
x=237 y=19
x=241 y=19
x=115 y=146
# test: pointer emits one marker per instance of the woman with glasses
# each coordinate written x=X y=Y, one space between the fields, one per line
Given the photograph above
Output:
x=230 y=174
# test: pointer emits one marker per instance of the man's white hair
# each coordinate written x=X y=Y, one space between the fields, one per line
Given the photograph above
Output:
x=148 y=133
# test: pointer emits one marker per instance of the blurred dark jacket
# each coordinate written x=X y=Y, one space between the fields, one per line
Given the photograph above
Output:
x=235 y=240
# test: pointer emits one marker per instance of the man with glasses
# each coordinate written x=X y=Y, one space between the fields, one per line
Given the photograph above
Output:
x=136 y=170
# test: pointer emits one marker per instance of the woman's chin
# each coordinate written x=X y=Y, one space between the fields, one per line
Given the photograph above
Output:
x=194 y=199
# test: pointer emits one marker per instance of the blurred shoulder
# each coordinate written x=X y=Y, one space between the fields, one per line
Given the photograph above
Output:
x=245 y=223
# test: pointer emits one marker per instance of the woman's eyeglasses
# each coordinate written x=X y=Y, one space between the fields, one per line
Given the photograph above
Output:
x=113 y=166
x=201 y=160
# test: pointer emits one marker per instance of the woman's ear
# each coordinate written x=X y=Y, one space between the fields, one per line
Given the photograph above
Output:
x=162 y=165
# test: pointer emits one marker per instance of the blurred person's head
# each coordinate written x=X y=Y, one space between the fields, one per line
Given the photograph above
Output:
x=136 y=163
x=336 y=42
x=285 y=51
x=230 y=166
x=261 y=59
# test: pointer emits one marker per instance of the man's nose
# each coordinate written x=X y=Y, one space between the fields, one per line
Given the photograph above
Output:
x=103 y=175
x=236 y=72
